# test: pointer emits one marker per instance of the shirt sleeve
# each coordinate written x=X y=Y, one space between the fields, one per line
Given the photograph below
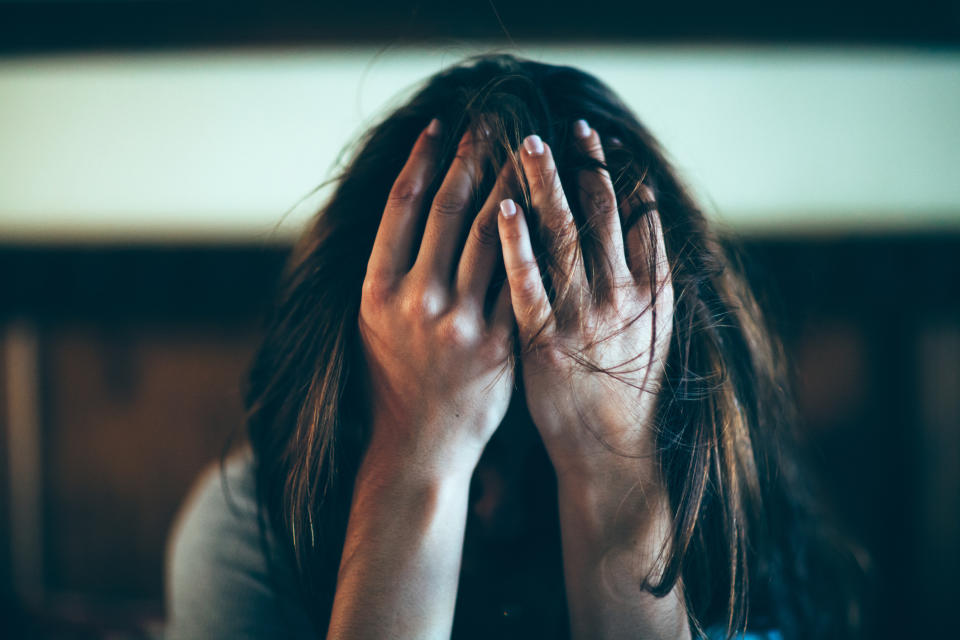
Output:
x=218 y=582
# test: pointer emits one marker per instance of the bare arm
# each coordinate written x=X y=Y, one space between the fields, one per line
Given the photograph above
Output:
x=439 y=381
x=401 y=559
x=613 y=529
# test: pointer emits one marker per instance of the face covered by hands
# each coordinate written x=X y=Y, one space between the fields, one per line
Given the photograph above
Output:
x=437 y=362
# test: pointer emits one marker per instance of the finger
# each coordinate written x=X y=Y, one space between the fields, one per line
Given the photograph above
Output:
x=502 y=315
x=481 y=251
x=528 y=297
x=393 y=246
x=448 y=213
x=599 y=201
x=641 y=219
x=558 y=228
x=662 y=264
x=653 y=276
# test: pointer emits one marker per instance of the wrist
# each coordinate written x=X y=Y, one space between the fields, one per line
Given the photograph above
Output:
x=419 y=501
x=617 y=529
x=422 y=450
x=593 y=465
x=389 y=470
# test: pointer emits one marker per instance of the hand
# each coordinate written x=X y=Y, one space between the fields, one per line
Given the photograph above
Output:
x=576 y=408
x=438 y=368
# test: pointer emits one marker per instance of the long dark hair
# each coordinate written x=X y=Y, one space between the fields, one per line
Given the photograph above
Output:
x=748 y=544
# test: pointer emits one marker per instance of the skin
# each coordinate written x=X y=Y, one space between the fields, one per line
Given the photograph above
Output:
x=614 y=510
x=440 y=381
x=440 y=384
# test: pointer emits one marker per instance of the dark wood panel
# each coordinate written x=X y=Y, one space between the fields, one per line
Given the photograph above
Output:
x=132 y=416
x=121 y=284
x=5 y=568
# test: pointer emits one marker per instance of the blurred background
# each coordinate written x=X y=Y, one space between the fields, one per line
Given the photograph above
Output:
x=158 y=157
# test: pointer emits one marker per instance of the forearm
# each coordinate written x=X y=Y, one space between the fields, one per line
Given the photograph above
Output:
x=401 y=561
x=613 y=527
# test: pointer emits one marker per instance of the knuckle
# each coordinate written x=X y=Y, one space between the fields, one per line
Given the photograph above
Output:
x=622 y=292
x=457 y=329
x=405 y=190
x=601 y=201
x=485 y=231
x=527 y=280
x=548 y=179
x=375 y=291
x=592 y=144
x=467 y=146
x=425 y=303
x=449 y=204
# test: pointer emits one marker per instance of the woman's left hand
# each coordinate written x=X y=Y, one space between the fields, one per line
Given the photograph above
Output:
x=588 y=419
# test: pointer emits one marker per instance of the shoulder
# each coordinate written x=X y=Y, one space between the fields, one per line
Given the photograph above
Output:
x=218 y=579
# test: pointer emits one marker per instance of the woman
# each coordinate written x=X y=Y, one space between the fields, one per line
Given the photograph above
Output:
x=513 y=385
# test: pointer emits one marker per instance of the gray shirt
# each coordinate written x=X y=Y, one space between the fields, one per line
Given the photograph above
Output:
x=217 y=581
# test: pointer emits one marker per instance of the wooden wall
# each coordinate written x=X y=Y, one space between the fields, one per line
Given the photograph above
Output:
x=141 y=352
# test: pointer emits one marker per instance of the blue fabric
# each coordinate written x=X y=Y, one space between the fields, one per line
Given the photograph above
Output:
x=717 y=633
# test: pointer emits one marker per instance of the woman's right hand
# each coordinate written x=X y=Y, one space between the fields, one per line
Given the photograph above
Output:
x=439 y=379
x=438 y=368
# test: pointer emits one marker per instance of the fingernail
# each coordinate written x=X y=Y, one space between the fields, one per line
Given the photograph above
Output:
x=581 y=129
x=508 y=208
x=434 y=128
x=533 y=144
